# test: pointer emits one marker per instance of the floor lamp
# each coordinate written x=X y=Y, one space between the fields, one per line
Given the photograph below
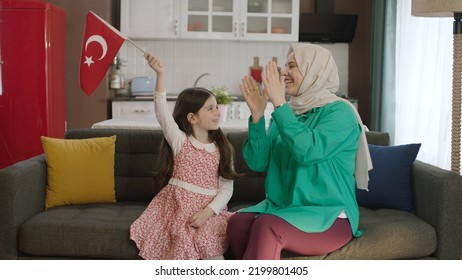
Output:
x=449 y=8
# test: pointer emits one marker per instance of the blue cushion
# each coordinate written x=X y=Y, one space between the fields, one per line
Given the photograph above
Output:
x=390 y=178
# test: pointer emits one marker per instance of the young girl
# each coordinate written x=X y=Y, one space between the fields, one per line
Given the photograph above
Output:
x=187 y=219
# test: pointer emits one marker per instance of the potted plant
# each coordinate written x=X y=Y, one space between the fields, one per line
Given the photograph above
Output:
x=222 y=95
x=223 y=100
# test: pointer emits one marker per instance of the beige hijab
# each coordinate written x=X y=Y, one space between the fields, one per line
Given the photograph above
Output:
x=318 y=88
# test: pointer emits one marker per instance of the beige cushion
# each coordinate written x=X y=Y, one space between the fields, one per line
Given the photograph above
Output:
x=388 y=234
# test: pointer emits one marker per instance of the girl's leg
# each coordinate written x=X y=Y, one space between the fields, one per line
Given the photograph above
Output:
x=238 y=232
x=270 y=235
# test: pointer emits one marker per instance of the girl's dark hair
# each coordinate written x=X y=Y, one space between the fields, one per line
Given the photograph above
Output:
x=191 y=100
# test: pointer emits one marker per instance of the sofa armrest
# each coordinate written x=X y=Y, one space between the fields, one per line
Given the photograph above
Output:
x=438 y=201
x=22 y=195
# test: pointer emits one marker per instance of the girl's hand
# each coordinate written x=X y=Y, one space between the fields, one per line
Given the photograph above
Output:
x=198 y=219
x=274 y=84
x=154 y=62
x=255 y=99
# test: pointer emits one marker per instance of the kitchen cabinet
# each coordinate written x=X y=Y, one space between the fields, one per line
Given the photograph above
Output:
x=260 y=20
x=140 y=114
x=135 y=109
x=215 y=19
x=147 y=19
x=270 y=20
x=143 y=109
x=238 y=110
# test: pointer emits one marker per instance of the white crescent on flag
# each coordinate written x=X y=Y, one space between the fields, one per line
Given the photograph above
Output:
x=101 y=41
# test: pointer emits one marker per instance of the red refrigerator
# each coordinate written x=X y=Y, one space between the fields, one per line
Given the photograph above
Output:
x=32 y=77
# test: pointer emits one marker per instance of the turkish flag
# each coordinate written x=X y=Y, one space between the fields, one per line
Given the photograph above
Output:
x=101 y=42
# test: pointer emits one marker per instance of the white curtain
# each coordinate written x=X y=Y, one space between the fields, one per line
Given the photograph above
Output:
x=424 y=84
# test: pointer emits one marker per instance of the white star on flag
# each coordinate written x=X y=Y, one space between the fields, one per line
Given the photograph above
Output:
x=89 y=60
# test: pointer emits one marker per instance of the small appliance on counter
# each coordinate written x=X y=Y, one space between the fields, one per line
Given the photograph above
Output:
x=142 y=86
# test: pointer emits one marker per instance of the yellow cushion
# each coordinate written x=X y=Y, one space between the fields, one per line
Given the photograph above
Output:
x=80 y=171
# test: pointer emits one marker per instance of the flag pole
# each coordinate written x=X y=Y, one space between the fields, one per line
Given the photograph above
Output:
x=136 y=45
x=117 y=31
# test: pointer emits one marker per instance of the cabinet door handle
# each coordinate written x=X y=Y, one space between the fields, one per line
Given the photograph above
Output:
x=176 y=27
x=240 y=113
x=243 y=30
x=142 y=111
x=235 y=29
x=231 y=112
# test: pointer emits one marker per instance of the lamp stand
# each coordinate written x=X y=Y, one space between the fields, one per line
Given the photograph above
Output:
x=456 y=93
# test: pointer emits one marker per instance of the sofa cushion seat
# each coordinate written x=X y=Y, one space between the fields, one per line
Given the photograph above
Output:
x=388 y=234
x=82 y=231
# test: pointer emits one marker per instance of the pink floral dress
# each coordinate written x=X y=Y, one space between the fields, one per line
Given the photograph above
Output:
x=162 y=230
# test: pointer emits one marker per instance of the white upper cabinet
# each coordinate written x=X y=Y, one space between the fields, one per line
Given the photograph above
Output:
x=148 y=19
x=264 y=20
x=275 y=20
x=261 y=20
x=210 y=19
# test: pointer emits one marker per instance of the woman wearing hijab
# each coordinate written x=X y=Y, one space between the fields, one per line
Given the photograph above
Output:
x=314 y=153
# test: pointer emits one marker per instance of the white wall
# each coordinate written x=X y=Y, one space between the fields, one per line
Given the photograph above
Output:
x=226 y=61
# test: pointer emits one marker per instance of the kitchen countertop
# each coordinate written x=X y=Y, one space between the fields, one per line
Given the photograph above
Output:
x=152 y=124
x=170 y=97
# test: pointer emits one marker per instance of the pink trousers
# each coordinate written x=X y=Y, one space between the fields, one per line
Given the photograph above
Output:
x=263 y=237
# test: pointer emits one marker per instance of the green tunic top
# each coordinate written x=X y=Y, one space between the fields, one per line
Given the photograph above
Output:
x=309 y=160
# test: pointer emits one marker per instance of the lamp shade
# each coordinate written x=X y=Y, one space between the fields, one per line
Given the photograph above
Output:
x=436 y=8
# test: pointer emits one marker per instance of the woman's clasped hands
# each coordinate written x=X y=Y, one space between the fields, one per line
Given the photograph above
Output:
x=273 y=90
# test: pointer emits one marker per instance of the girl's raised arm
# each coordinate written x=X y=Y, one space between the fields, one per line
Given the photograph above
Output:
x=172 y=132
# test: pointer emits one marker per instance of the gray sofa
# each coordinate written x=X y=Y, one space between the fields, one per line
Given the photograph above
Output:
x=100 y=231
